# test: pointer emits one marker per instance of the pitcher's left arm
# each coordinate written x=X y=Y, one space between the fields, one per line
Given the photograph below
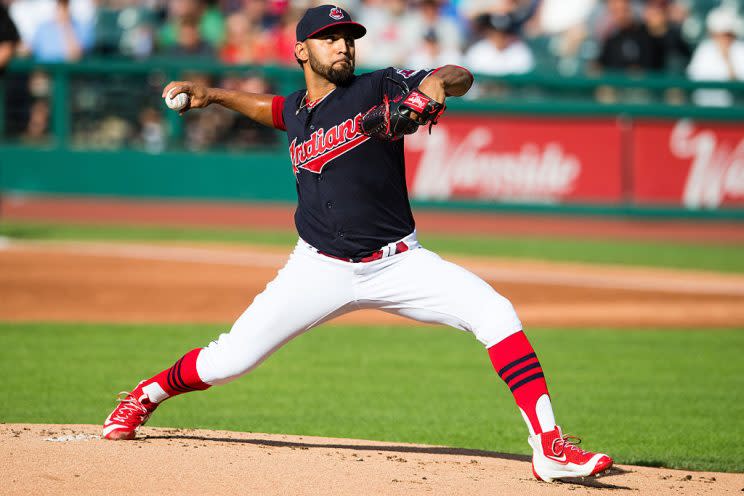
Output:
x=448 y=80
x=394 y=118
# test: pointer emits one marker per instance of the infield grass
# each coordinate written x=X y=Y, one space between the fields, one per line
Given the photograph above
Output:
x=660 y=398
x=722 y=258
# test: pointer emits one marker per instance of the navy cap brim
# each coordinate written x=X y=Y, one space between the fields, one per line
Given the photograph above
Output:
x=356 y=29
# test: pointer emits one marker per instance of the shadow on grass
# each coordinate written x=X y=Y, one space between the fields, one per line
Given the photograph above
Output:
x=432 y=450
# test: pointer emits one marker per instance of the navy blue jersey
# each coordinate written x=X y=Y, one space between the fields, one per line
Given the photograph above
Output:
x=351 y=189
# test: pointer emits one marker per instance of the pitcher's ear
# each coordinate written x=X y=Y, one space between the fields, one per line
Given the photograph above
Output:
x=300 y=51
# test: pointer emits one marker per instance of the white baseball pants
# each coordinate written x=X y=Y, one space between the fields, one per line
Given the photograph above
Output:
x=313 y=288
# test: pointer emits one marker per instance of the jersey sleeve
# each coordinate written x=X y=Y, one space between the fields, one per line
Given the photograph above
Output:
x=277 y=112
x=395 y=81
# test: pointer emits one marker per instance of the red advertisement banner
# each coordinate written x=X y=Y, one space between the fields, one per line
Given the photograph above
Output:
x=690 y=164
x=535 y=160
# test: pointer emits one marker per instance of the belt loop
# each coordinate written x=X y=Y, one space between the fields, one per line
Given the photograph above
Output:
x=400 y=247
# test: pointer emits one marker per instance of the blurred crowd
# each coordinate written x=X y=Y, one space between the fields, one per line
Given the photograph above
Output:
x=697 y=38
x=490 y=36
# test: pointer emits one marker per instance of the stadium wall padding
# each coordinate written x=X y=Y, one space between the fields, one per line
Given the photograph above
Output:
x=225 y=176
x=491 y=162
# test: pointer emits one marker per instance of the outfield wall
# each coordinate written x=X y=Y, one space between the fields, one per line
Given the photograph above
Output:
x=516 y=151
x=599 y=161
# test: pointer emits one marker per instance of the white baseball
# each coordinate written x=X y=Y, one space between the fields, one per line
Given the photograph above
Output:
x=178 y=102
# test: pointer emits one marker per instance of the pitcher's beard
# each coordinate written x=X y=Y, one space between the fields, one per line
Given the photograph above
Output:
x=339 y=77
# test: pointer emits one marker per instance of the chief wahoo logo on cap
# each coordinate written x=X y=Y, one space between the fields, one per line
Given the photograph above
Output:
x=336 y=13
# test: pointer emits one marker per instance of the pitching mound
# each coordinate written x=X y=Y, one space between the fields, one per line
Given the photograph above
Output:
x=71 y=459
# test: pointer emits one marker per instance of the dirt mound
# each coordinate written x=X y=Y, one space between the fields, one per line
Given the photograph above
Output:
x=71 y=459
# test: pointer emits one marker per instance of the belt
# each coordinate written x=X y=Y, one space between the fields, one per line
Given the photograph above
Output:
x=386 y=251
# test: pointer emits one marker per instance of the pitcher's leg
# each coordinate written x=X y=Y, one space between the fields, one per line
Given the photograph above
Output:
x=305 y=292
x=296 y=301
x=422 y=286
x=427 y=288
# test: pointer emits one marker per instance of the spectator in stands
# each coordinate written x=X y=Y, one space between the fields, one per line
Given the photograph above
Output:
x=152 y=136
x=38 y=121
x=29 y=15
x=15 y=85
x=671 y=51
x=718 y=58
x=558 y=16
x=62 y=38
x=260 y=33
x=275 y=43
x=425 y=19
x=8 y=39
x=209 y=21
x=124 y=27
x=629 y=45
x=266 y=12
x=240 y=38
x=385 y=42
x=472 y=9
x=430 y=53
x=562 y=28
x=501 y=51
x=189 y=42
x=239 y=131
x=520 y=11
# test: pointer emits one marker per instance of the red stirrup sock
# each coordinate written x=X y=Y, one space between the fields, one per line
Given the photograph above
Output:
x=180 y=378
x=516 y=363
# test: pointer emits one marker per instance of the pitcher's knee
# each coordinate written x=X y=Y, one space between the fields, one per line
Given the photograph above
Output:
x=496 y=320
x=224 y=360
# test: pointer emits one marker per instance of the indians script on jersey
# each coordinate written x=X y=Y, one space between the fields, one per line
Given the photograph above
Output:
x=325 y=145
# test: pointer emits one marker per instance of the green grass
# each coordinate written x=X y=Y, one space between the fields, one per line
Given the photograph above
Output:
x=81 y=232
x=724 y=258
x=648 y=397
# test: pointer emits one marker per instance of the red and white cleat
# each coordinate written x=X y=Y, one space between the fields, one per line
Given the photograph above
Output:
x=556 y=456
x=133 y=410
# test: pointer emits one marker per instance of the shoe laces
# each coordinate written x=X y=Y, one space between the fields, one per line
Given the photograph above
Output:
x=130 y=406
x=567 y=442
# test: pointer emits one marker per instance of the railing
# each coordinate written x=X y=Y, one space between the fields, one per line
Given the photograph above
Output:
x=120 y=88
x=83 y=94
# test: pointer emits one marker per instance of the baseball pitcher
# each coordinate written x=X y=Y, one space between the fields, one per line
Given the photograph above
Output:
x=357 y=245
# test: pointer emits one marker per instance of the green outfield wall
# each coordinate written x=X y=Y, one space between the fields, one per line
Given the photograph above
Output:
x=257 y=176
x=537 y=142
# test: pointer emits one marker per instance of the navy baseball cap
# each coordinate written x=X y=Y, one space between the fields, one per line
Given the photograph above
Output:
x=320 y=18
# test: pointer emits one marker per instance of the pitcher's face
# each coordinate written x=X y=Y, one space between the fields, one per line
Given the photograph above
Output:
x=331 y=54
